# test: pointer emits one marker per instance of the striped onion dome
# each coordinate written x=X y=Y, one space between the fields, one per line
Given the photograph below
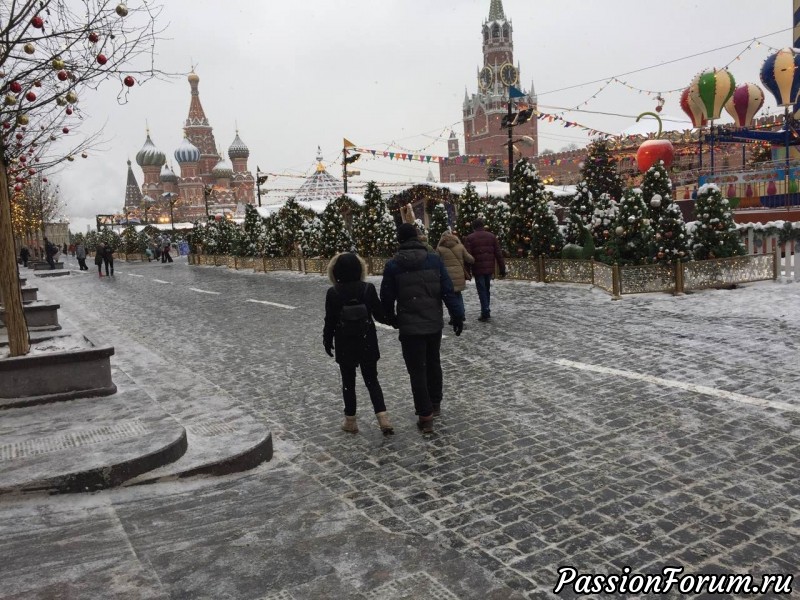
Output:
x=168 y=175
x=187 y=152
x=149 y=155
x=223 y=169
x=238 y=149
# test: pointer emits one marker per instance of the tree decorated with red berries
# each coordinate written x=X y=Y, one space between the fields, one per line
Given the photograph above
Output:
x=53 y=53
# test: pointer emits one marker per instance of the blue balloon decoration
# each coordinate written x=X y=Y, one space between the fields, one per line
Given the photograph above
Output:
x=780 y=74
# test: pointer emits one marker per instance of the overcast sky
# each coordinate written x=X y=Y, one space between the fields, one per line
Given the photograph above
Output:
x=391 y=75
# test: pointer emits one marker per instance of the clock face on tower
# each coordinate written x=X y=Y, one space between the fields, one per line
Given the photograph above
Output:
x=508 y=74
x=485 y=78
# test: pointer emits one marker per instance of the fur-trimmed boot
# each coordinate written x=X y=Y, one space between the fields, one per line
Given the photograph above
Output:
x=383 y=423
x=350 y=424
x=425 y=424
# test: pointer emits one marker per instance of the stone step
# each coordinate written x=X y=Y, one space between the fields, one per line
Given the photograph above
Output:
x=41 y=314
x=29 y=294
x=87 y=444
x=52 y=273
x=39 y=266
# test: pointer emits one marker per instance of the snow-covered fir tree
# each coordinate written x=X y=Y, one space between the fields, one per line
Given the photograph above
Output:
x=715 y=234
x=581 y=212
x=533 y=226
x=273 y=241
x=110 y=239
x=311 y=242
x=603 y=217
x=130 y=240
x=334 y=236
x=671 y=238
x=254 y=232
x=657 y=191
x=374 y=228
x=631 y=239
x=497 y=216
x=470 y=207
x=599 y=171
x=439 y=224
x=291 y=217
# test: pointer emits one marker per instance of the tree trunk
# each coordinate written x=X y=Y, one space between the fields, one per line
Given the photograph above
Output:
x=17 y=328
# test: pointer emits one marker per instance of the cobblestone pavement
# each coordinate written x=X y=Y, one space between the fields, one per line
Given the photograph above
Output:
x=576 y=430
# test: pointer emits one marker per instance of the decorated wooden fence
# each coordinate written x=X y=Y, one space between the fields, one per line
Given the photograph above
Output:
x=614 y=279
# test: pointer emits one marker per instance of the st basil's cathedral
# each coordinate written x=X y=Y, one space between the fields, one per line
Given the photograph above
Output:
x=205 y=175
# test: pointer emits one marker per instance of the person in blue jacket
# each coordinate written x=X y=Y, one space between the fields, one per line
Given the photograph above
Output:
x=415 y=282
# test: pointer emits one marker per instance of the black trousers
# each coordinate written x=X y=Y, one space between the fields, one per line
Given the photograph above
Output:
x=369 y=371
x=109 y=262
x=421 y=354
x=82 y=264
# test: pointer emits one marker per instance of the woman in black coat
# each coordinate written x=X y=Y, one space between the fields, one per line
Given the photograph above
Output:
x=346 y=271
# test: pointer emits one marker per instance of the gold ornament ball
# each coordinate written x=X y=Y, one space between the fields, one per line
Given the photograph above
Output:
x=122 y=10
x=60 y=101
x=71 y=97
x=57 y=64
x=84 y=155
x=552 y=246
x=22 y=120
x=70 y=158
x=29 y=48
x=10 y=100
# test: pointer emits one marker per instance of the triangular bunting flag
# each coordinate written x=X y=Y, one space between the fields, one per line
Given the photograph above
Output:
x=514 y=92
x=347 y=143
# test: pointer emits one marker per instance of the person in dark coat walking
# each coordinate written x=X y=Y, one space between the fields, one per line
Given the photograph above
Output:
x=80 y=254
x=346 y=272
x=108 y=258
x=24 y=255
x=98 y=258
x=415 y=282
x=485 y=248
x=50 y=251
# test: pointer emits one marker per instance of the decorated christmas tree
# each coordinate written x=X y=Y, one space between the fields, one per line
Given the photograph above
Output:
x=111 y=239
x=657 y=191
x=497 y=216
x=130 y=241
x=581 y=212
x=599 y=171
x=291 y=218
x=439 y=224
x=254 y=231
x=671 y=239
x=631 y=237
x=470 y=207
x=374 y=230
x=603 y=217
x=310 y=243
x=715 y=234
x=533 y=226
x=334 y=236
x=273 y=244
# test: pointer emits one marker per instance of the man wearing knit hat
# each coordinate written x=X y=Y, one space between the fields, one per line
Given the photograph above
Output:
x=415 y=282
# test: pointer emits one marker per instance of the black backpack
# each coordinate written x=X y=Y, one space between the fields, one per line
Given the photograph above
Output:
x=354 y=319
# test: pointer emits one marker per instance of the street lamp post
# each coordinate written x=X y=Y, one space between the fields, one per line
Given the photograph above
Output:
x=260 y=180
x=172 y=199
x=207 y=191
x=144 y=201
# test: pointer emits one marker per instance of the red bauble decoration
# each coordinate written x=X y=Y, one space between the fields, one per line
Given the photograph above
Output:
x=37 y=22
x=6 y=125
x=31 y=171
x=19 y=136
x=652 y=151
x=23 y=158
x=68 y=111
x=30 y=96
x=62 y=75
x=101 y=59
x=94 y=38
x=18 y=188
x=659 y=108
x=15 y=86
x=44 y=179
x=37 y=83
x=65 y=130
x=129 y=81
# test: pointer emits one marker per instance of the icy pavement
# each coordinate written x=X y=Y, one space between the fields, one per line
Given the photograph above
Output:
x=576 y=430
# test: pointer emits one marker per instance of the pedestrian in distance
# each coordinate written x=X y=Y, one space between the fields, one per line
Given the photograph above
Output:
x=108 y=258
x=484 y=246
x=457 y=261
x=64 y=249
x=24 y=255
x=166 y=247
x=351 y=308
x=98 y=258
x=50 y=251
x=415 y=282
x=80 y=254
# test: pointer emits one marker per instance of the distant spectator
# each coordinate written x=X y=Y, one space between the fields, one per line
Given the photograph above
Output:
x=108 y=259
x=50 y=250
x=457 y=261
x=80 y=254
x=98 y=258
x=483 y=245
x=24 y=255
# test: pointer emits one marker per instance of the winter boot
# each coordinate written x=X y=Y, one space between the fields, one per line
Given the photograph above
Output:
x=437 y=410
x=350 y=424
x=383 y=423
x=425 y=424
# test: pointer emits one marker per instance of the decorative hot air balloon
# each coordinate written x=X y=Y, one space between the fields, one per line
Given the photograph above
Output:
x=746 y=101
x=781 y=76
x=713 y=87
x=690 y=104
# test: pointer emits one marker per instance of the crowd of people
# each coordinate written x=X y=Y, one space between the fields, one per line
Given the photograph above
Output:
x=418 y=283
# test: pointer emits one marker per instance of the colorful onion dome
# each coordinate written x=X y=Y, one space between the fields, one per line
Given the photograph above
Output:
x=223 y=169
x=168 y=175
x=187 y=152
x=149 y=155
x=238 y=149
x=193 y=77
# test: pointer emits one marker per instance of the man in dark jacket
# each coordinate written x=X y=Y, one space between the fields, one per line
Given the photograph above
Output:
x=50 y=251
x=416 y=281
x=485 y=248
x=24 y=255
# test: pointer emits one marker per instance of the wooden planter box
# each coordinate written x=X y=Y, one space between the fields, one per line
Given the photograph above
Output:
x=38 y=315
x=56 y=376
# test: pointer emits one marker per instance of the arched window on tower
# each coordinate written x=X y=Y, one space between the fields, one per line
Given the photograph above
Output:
x=485 y=34
x=505 y=31
x=496 y=31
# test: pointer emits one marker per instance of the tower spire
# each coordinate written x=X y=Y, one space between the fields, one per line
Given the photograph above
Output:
x=496 y=11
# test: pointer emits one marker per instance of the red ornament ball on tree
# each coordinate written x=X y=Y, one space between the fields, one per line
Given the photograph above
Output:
x=62 y=75
x=15 y=87
x=37 y=22
x=68 y=110
x=101 y=59
x=30 y=96
x=65 y=130
x=18 y=188
x=93 y=37
x=129 y=81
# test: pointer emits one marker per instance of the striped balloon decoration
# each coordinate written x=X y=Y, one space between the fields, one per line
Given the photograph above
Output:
x=713 y=87
x=746 y=101
x=781 y=76
x=690 y=104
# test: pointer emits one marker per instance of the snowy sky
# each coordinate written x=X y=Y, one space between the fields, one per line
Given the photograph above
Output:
x=391 y=75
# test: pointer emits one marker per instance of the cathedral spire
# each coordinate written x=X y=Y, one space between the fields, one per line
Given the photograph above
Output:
x=133 y=195
x=496 y=11
x=197 y=115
